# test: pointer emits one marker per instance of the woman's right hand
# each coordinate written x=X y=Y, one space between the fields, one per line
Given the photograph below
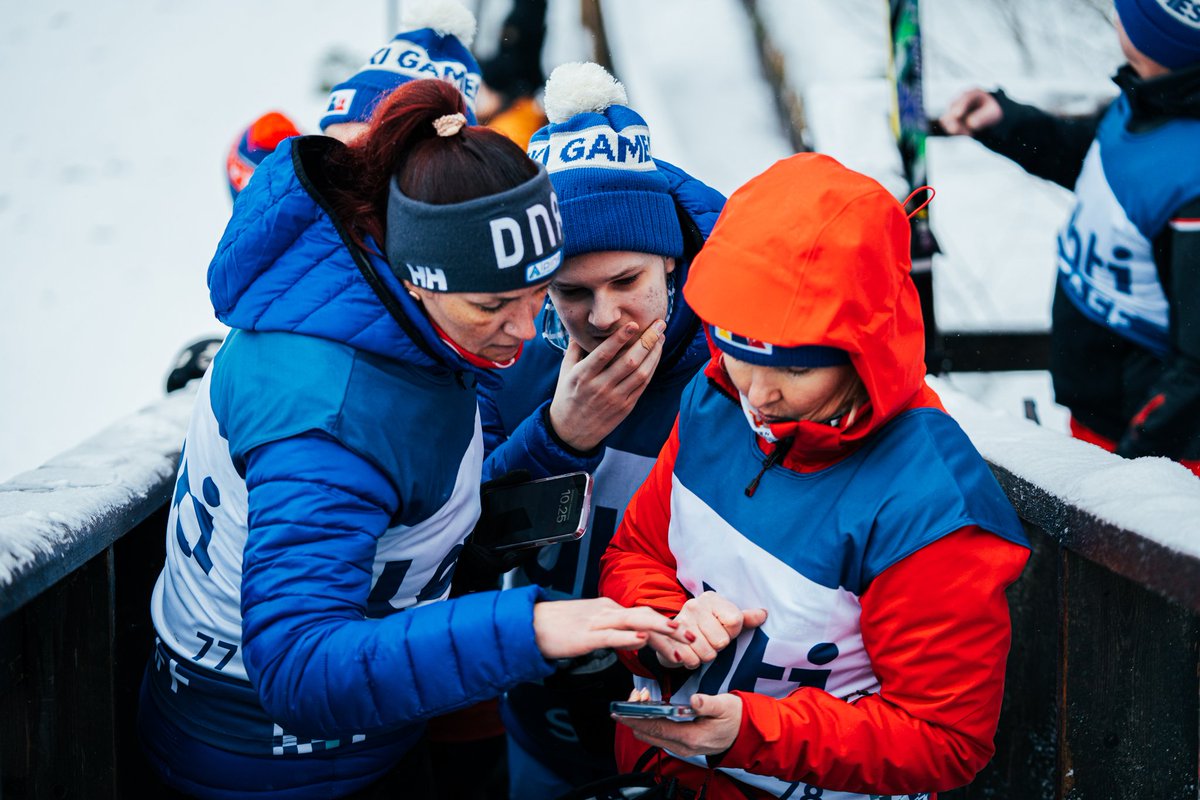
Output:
x=597 y=390
x=708 y=623
x=971 y=112
x=569 y=628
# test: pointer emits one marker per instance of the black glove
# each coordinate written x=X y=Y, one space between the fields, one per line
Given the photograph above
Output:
x=479 y=568
x=585 y=686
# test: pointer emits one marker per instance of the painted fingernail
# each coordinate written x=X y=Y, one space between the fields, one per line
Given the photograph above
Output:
x=691 y=637
x=677 y=656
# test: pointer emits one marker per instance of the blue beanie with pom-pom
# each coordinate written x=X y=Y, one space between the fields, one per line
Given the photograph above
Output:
x=611 y=194
x=1167 y=31
x=434 y=45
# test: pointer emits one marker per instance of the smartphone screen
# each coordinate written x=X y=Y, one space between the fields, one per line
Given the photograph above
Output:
x=650 y=709
x=536 y=513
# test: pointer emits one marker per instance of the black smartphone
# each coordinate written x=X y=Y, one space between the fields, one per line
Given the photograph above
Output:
x=535 y=513
x=652 y=709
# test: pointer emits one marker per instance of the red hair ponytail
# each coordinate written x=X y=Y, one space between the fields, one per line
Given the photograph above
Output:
x=401 y=142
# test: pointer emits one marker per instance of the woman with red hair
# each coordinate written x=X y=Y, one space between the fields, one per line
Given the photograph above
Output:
x=331 y=468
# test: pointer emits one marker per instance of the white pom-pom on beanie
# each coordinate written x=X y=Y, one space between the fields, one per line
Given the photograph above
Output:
x=577 y=87
x=444 y=17
x=611 y=194
x=434 y=43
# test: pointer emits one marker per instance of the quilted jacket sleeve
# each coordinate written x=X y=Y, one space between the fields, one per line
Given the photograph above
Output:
x=316 y=511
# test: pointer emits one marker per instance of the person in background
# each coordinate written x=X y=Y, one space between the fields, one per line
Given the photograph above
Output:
x=599 y=388
x=256 y=142
x=434 y=42
x=831 y=543
x=512 y=78
x=331 y=469
x=1125 y=325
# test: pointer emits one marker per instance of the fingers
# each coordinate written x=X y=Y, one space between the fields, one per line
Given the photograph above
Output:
x=645 y=619
x=574 y=354
x=955 y=118
x=643 y=358
x=753 y=617
x=971 y=112
x=598 y=360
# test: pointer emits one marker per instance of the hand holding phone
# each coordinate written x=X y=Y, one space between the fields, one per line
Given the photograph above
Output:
x=652 y=709
x=530 y=514
x=519 y=515
x=716 y=720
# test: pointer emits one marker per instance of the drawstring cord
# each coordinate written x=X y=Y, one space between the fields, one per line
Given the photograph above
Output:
x=774 y=457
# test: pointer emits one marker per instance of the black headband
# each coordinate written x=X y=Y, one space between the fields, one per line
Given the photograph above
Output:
x=495 y=243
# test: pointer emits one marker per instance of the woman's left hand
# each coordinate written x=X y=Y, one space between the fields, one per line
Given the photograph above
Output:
x=714 y=731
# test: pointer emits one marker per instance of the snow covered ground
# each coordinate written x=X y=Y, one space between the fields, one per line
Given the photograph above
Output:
x=113 y=192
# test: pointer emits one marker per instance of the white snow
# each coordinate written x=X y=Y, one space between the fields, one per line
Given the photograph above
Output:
x=50 y=512
x=113 y=193
x=1085 y=475
x=692 y=72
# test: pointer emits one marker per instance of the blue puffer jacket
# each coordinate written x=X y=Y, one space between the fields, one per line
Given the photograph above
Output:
x=329 y=477
x=516 y=434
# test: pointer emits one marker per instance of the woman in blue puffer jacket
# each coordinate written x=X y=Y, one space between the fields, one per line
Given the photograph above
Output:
x=332 y=465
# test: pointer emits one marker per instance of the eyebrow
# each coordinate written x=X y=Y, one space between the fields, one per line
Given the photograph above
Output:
x=626 y=273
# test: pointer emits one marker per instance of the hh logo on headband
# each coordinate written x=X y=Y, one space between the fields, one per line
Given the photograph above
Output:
x=432 y=278
x=516 y=240
x=743 y=342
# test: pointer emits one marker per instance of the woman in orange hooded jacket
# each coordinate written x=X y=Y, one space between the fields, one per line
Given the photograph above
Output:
x=840 y=562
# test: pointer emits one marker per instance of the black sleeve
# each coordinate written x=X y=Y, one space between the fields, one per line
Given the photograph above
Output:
x=1044 y=145
x=1169 y=422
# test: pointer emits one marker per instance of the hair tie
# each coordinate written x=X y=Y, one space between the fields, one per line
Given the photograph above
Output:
x=449 y=124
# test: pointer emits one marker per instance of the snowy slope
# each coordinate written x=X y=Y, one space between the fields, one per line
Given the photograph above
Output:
x=112 y=188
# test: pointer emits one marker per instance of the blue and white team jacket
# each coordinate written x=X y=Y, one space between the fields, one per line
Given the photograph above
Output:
x=1106 y=258
x=330 y=474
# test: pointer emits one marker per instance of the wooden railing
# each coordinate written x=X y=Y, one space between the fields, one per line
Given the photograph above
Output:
x=1101 y=699
x=81 y=543
x=1102 y=692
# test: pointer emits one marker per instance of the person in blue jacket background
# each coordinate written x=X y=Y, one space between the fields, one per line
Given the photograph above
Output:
x=332 y=466
x=599 y=389
x=1125 y=320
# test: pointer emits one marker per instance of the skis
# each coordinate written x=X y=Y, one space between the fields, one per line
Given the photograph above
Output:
x=910 y=128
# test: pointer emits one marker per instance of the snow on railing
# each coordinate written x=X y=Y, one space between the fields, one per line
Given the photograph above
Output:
x=1138 y=518
x=55 y=518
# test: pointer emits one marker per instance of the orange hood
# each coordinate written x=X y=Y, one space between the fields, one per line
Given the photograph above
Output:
x=812 y=253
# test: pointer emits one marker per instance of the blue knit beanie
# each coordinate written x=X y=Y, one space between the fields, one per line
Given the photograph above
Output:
x=597 y=151
x=1167 y=31
x=752 y=351
x=434 y=45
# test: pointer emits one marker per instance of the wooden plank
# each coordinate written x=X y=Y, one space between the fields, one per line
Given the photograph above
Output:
x=139 y=557
x=57 y=705
x=1026 y=740
x=1130 y=692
